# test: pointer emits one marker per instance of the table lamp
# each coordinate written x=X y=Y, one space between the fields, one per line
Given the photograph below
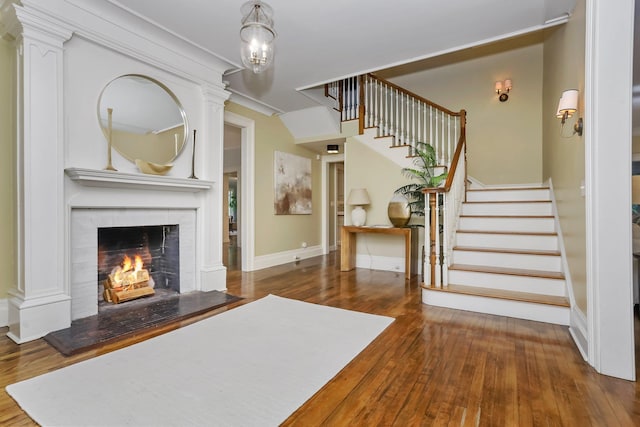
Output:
x=358 y=197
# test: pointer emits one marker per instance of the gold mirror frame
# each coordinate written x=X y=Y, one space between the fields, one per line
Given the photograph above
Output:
x=148 y=121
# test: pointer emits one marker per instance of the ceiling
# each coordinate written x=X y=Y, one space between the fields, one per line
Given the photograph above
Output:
x=324 y=41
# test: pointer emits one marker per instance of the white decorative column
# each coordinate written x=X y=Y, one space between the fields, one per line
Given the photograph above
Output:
x=39 y=302
x=213 y=275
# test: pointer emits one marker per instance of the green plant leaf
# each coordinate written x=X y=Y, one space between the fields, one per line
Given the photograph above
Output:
x=422 y=171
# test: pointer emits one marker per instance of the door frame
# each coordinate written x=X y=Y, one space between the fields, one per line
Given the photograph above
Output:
x=246 y=180
x=326 y=206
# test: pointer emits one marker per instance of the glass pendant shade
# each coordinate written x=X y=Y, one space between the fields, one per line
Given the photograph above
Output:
x=257 y=36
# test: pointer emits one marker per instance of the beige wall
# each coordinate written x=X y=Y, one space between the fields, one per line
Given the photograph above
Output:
x=636 y=144
x=504 y=138
x=278 y=233
x=564 y=158
x=365 y=168
x=7 y=170
x=157 y=148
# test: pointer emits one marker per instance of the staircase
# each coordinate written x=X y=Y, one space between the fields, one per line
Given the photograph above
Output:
x=506 y=258
x=490 y=250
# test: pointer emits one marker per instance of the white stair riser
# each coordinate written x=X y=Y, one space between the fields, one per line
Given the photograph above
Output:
x=508 y=241
x=507 y=208
x=508 y=260
x=500 y=307
x=542 y=225
x=508 y=282
x=508 y=195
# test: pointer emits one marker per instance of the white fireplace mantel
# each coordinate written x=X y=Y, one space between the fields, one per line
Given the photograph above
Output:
x=66 y=51
x=104 y=178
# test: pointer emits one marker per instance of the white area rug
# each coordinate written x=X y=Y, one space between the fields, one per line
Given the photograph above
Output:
x=251 y=366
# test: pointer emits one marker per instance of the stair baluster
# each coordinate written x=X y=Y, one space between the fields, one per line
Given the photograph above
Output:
x=410 y=118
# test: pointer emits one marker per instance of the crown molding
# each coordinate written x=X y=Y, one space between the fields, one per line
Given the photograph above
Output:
x=109 y=25
x=253 y=103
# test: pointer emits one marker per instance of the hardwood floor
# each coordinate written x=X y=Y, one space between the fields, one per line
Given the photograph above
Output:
x=431 y=366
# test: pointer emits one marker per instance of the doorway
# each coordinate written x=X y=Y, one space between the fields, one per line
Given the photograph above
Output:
x=239 y=154
x=336 y=203
x=333 y=201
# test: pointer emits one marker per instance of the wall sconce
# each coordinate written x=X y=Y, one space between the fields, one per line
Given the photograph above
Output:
x=333 y=149
x=358 y=197
x=567 y=106
x=503 y=88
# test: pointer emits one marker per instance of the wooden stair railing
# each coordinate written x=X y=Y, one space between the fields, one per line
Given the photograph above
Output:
x=394 y=111
x=450 y=196
x=410 y=119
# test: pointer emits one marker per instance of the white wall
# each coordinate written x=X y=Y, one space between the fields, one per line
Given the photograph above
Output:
x=68 y=54
x=89 y=68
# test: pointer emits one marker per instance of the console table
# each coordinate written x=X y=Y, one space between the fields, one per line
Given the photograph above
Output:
x=348 y=246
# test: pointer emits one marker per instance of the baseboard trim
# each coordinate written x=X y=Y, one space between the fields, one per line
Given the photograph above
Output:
x=4 y=312
x=577 y=319
x=280 y=258
x=578 y=331
x=373 y=262
x=213 y=278
x=480 y=304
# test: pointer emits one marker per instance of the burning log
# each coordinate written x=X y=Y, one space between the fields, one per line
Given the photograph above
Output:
x=127 y=282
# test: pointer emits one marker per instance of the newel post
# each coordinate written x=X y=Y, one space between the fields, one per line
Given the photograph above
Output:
x=430 y=231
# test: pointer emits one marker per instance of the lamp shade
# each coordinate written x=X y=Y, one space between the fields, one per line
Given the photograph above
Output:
x=358 y=197
x=635 y=189
x=568 y=102
x=508 y=85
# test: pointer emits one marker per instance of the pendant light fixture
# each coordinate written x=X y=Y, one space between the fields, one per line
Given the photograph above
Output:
x=257 y=35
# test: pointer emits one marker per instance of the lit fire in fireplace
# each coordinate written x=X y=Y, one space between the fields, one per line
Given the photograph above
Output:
x=128 y=281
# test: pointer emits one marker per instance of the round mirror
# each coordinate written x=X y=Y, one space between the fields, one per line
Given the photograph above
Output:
x=146 y=119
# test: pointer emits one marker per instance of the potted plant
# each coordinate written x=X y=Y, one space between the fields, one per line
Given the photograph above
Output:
x=424 y=164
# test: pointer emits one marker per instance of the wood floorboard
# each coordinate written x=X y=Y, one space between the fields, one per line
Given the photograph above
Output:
x=432 y=366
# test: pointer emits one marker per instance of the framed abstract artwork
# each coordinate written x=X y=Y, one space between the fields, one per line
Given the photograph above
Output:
x=292 y=178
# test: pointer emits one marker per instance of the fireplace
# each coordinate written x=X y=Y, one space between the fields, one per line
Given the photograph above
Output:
x=136 y=262
x=64 y=194
x=165 y=239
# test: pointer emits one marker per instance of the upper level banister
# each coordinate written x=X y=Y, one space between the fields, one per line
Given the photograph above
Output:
x=411 y=94
x=361 y=108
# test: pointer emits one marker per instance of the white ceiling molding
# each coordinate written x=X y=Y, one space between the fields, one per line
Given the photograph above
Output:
x=253 y=104
x=108 y=25
x=355 y=41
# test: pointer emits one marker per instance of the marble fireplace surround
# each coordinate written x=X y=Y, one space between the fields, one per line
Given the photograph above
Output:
x=111 y=199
